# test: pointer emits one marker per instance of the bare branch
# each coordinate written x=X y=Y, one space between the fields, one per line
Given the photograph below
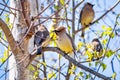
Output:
x=7 y=11
x=53 y=14
x=25 y=11
x=54 y=49
x=57 y=18
x=38 y=16
x=9 y=36
x=4 y=8
x=78 y=4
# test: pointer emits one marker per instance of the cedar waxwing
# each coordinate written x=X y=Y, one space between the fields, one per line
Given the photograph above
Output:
x=86 y=16
x=40 y=37
x=64 y=41
x=96 y=45
x=97 y=48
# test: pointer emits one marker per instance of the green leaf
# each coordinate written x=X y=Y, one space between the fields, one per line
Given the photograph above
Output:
x=7 y=20
x=112 y=35
x=31 y=68
x=105 y=41
x=10 y=26
x=56 y=7
x=79 y=45
x=70 y=9
x=104 y=66
x=118 y=56
x=106 y=28
x=5 y=56
x=90 y=56
x=81 y=73
x=114 y=75
x=6 y=15
x=43 y=63
x=36 y=73
x=55 y=44
x=62 y=2
x=76 y=78
x=0 y=34
x=69 y=28
x=87 y=76
x=96 y=63
x=109 y=53
x=51 y=74
x=90 y=64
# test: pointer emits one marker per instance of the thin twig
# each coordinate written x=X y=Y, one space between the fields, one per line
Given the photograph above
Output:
x=7 y=11
x=4 y=7
x=52 y=14
x=51 y=67
x=10 y=7
x=55 y=49
x=57 y=18
x=78 y=4
x=43 y=58
x=108 y=43
x=57 y=71
x=37 y=17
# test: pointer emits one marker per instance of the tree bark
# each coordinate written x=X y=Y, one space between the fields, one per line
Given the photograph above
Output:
x=17 y=64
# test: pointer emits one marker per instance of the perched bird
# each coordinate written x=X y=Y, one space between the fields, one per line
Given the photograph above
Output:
x=86 y=16
x=97 y=45
x=64 y=41
x=97 y=48
x=40 y=37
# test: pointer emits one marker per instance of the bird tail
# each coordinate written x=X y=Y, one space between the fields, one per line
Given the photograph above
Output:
x=83 y=32
x=39 y=50
x=74 y=56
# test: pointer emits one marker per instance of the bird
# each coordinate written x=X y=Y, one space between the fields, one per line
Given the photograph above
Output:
x=40 y=37
x=86 y=16
x=97 y=48
x=97 y=45
x=64 y=41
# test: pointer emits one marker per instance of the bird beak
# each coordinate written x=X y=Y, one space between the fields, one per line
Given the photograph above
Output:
x=54 y=31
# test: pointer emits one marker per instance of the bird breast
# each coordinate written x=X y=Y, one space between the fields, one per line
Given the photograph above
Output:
x=64 y=43
x=87 y=16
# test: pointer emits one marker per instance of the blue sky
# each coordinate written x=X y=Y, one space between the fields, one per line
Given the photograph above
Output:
x=100 y=7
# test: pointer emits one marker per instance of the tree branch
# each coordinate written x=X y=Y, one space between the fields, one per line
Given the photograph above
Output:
x=25 y=11
x=54 y=49
x=9 y=36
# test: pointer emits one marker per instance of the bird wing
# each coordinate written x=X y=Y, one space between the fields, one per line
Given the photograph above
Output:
x=80 y=17
x=38 y=38
x=71 y=41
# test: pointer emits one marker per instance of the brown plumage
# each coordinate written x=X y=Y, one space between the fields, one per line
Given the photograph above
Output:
x=64 y=41
x=86 y=16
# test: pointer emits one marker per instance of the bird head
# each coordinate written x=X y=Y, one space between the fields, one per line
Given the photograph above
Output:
x=59 y=30
x=89 y=4
x=42 y=28
x=95 y=40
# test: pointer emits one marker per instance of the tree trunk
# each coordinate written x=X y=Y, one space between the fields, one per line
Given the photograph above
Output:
x=18 y=61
